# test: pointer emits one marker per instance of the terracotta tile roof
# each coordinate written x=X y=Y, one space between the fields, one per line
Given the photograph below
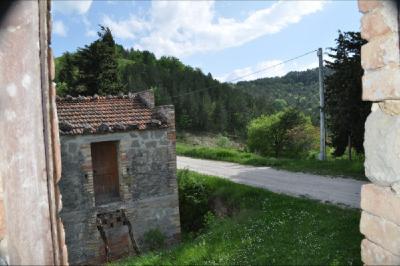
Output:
x=103 y=114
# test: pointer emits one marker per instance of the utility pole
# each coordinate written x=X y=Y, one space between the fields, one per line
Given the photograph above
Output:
x=322 y=152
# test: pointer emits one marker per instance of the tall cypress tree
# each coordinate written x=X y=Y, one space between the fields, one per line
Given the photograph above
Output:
x=346 y=111
x=97 y=64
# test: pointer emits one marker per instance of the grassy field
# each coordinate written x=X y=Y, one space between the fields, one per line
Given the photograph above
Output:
x=331 y=167
x=231 y=224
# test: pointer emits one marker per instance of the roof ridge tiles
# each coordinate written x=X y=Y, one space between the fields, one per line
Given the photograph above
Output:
x=81 y=98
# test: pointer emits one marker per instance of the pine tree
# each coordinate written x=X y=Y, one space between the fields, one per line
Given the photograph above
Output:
x=345 y=109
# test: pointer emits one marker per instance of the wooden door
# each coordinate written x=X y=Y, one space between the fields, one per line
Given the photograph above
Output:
x=105 y=172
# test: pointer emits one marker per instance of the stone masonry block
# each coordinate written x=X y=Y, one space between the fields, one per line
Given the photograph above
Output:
x=390 y=107
x=368 y=5
x=148 y=97
x=380 y=21
x=372 y=254
x=381 y=84
x=381 y=201
x=381 y=231
x=382 y=148
x=381 y=51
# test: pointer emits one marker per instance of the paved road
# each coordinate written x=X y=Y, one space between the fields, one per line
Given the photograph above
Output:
x=335 y=190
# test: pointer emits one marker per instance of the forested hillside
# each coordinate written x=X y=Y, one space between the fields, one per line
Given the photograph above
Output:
x=201 y=102
x=297 y=89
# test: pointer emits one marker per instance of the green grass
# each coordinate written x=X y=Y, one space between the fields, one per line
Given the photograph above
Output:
x=261 y=228
x=331 y=167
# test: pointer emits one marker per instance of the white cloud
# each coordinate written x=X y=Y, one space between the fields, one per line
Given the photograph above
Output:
x=183 y=28
x=59 y=28
x=125 y=29
x=275 y=68
x=72 y=7
x=264 y=69
x=90 y=32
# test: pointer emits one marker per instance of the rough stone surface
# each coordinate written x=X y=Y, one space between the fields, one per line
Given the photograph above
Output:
x=148 y=192
x=382 y=148
x=147 y=97
x=381 y=51
x=380 y=21
x=396 y=188
x=372 y=254
x=381 y=201
x=381 y=84
x=381 y=231
x=367 y=5
x=390 y=107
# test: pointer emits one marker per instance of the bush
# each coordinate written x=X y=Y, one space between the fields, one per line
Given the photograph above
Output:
x=193 y=201
x=154 y=239
x=223 y=141
x=289 y=133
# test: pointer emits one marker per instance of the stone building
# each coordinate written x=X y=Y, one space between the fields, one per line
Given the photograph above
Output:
x=119 y=174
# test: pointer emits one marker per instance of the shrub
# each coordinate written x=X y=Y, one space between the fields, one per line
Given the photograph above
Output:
x=154 y=239
x=288 y=133
x=223 y=141
x=193 y=201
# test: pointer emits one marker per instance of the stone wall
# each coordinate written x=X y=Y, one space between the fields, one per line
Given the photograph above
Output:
x=380 y=201
x=148 y=191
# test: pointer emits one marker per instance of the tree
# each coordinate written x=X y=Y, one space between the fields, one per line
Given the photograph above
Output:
x=202 y=103
x=97 y=64
x=66 y=74
x=346 y=112
x=285 y=133
x=279 y=104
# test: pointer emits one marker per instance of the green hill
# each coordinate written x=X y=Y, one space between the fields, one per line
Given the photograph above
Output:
x=298 y=89
x=202 y=103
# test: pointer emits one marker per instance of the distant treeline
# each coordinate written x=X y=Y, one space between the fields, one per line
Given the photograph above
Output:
x=202 y=103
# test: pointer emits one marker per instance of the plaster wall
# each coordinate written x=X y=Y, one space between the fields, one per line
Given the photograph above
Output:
x=30 y=231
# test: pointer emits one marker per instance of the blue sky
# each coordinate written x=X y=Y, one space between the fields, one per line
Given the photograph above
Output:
x=229 y=39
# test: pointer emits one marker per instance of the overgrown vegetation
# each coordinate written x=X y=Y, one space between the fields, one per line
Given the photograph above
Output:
x=287 y=133
x=154 y=239
x=202 y=103
x=241 y=225
x=332 y=167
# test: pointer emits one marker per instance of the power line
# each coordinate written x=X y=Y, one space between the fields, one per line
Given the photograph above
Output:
x=256 y=72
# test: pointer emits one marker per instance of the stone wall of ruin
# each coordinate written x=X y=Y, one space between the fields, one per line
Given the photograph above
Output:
x=380 y=201
x=148 y=191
